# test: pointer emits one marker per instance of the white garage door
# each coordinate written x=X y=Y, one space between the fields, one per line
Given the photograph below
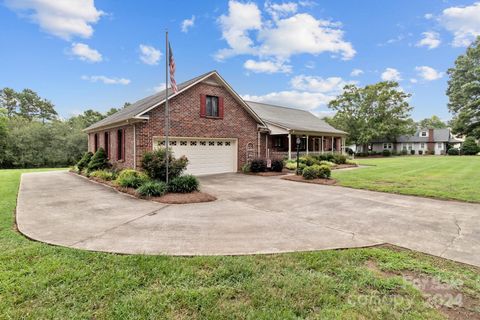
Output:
x=205 y=155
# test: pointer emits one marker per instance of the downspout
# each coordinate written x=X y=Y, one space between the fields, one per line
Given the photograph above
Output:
x=134 y=147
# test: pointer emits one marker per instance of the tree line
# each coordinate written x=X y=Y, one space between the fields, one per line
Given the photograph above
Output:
x=382 y=110
x=33 y=135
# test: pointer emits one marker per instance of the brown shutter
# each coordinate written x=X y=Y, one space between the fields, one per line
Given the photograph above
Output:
x=123 y=144
x=203 y=107
x=220 y=107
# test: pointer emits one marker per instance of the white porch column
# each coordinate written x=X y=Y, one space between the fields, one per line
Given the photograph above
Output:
x=331 y=146
x=322 y=145
x=289 y=146
x=307 y=145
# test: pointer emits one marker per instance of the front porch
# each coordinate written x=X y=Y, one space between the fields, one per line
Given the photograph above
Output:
x=285 y=145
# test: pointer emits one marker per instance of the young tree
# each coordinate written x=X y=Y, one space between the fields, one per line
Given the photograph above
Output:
x=464 y=91
x=9 y=101
x=376 y=111
x=470 y=147
x=3 y=136
x=46 y=110
x=434 y=122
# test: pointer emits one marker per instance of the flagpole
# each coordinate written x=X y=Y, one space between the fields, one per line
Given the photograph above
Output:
x=167 y=111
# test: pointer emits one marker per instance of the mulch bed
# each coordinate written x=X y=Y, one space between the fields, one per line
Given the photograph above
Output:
x=170 y=198
x=315 y=181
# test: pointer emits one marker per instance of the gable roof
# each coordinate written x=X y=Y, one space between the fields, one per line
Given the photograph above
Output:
x=439 y=135
x=292 y=119
x=138 y=109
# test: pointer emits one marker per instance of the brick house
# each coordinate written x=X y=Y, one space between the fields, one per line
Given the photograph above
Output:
x=213 y=126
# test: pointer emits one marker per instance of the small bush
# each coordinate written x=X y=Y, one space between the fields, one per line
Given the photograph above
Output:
x=308 y=160
x=184 y=184
x=277 y=165
x=258 y=165
x=404 y=152
x=328 y=163
x=386 y=153
x=453 y=152
x=316 y=171
x=84 y=161
x=152 y=189
x=339 y=158
x=362 y=154
x=103 y=175
x=470 y=147
x=246 y=168
x=130 y=178
x=98 y=161
x=412 y=152
x=291 y=165
x=154 y=165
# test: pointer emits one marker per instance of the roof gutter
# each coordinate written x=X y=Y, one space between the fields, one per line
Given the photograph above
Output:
x=115 y=125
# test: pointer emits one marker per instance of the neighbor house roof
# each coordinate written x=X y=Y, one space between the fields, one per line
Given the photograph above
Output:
x=291 y=118
x=439 y=135
x=138 y=109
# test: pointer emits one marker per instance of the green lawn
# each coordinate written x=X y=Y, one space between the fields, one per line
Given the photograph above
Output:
x=47 y=282
x=443 y=177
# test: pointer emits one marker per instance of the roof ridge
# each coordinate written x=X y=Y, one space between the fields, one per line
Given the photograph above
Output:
x=276 y=106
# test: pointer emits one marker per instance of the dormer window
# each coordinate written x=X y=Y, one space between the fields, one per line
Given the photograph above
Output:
x=423 y=134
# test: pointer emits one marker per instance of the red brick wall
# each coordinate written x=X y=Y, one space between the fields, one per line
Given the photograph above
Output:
x=113 y=153
x=185 y=121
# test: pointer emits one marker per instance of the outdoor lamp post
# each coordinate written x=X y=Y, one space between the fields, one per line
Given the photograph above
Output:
x=298 y=153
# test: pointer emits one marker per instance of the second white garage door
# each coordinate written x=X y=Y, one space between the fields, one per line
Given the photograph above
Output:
x=205 y=155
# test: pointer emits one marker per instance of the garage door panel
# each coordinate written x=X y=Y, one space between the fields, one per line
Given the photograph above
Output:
x=207 y=156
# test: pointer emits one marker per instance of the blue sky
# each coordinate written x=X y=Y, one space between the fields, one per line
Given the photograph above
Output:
x=99 y=54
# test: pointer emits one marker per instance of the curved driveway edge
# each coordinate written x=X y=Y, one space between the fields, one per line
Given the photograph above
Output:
x=252 y=215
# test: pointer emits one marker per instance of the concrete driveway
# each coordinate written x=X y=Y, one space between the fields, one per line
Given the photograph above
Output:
x=252 y=215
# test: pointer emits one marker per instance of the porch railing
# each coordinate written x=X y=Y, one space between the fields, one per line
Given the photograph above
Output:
x=284 y=154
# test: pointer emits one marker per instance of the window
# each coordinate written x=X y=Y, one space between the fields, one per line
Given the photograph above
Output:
x=106 y=142
x=278 y=142
x=212 y=106
x=387 y=146
x=410 y=146
x=422 y=145
x=439 y=145
x=120 y=144
x=423 y=134
x=384 y=146
x=95 y=142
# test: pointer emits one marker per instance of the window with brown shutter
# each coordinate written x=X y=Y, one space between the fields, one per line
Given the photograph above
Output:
x=95 y=143
x=106 y=141
x=120 y=144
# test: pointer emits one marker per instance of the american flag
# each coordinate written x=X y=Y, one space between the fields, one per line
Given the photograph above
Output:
x=171 y=63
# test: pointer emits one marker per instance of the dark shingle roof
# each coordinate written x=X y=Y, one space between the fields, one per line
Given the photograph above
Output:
x=291 y=118
x=439 y=135
x=141 y=105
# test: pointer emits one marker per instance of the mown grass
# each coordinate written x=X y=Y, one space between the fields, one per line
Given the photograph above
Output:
x=39 y=281
x=442 y=177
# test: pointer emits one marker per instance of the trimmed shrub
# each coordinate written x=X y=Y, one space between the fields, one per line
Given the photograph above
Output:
x=470 y=147
x=104 y=175
x=308 y=160
x=386 y=153
x=412 y=152
x=277 y=165
x=453 y=152
x=130 y=178
x=404 y=152
x=246 y=168
x=154 y=165
x=184 y=184
x=98 y=161
x=327 y=163
x=152 y=189
x=291 y=165
x=258 y=165
x=316 y=171
x=339 y=158
x=84 y=161
x=362 y=154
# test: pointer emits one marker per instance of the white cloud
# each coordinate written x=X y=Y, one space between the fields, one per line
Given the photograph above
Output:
x=188 y=23
x=413 y=80
x=85 y=53
x=430 y=39
x=356 y=72
x=428 y=73
x=302 y=33
x=391 y=74
x=241 y=18
x=64 y=19
x=267 y=66
x=160 y=87
x=428 y=16
x=278 y=10
x=295 y=99
x=331 y=85
x=288 y=33
x=149 y=55
x=106 y=80
x=463 y=22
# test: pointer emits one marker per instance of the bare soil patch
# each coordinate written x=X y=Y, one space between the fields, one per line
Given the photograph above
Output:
x=314 y=181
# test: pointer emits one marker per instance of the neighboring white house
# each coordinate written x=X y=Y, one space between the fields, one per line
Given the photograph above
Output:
x=424 y=141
